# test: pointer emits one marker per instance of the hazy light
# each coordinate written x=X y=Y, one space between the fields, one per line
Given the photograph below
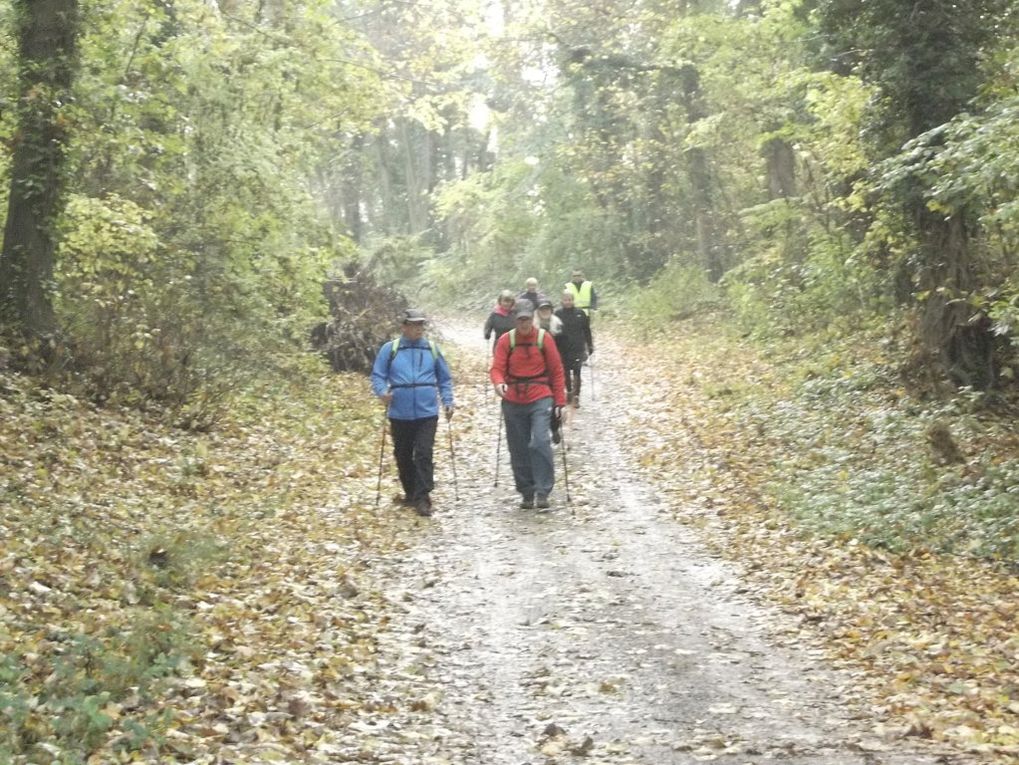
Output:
x=479 y=116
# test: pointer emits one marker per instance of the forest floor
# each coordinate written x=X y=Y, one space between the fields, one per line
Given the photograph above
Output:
x=244 y=596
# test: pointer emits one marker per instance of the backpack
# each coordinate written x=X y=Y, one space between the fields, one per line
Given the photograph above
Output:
x=541 y=347
x=392 y=355
x=396 y=346
x=540 y=343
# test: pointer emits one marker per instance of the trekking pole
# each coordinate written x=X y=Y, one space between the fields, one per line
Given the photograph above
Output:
x=382 y=452
x=498 y=450
x=452 y=457
x=488 y=365
x=566 y=472
x=590 y=363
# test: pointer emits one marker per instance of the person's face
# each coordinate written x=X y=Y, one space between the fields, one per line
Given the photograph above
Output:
x=568 y=300
x=578 y=276
x=506 y=302
x=544 y=312
x=413 y=330
x=531 y=285
x=525 y=324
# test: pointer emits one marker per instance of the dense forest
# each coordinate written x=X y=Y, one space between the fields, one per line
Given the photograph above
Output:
x=180 y=176
x=802 y=219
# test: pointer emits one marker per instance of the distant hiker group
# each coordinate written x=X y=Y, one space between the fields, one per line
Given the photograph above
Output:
x=537 y=351
x=535 y=370
x=569 y=325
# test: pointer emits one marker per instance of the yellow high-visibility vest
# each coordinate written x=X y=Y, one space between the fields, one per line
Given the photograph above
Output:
x=582 y=296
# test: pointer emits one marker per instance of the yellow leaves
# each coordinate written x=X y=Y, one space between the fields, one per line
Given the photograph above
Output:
x=112 y=524
x=932 y=638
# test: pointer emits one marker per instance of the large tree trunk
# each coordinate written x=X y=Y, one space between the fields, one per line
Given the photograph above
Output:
x=957 y=342
x=47 y=43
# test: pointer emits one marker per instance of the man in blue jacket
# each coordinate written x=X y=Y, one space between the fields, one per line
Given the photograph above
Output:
x=410 y=375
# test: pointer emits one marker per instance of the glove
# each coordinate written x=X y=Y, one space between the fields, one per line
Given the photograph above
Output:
x=557 y=414
x=590 y=351
x=449 y=413
x=556 y=422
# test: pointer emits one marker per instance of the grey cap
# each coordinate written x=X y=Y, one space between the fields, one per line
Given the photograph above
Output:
x=413 y=315
x=545 y=303
x=523 y=308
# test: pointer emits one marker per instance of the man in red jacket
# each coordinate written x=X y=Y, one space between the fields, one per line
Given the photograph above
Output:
x=528 y=375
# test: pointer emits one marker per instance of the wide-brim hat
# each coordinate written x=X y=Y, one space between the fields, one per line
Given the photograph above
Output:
x=413 y=316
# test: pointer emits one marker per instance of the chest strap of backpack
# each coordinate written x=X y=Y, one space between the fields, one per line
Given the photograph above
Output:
x=392 y=355
x=541 y=379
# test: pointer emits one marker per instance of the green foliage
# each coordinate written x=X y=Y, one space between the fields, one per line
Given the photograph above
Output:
x=193 y=250
x=678 y=292
x=857 y=465
x=93 y=676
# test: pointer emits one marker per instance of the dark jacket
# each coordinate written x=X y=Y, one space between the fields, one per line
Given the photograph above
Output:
x=574 y=342
x=536 y=298
x=498 y=322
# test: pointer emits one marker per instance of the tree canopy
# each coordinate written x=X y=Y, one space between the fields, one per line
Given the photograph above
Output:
x=182 y=175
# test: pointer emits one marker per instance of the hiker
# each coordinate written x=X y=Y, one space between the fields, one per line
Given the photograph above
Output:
x=584 y=296
x=531 y=293
x=546 y=319
x=528 y=375
x=574 y=344
x=410 y=375
x=501 y=318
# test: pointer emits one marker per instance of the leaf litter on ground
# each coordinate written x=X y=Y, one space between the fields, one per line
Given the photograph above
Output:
x=202 y=597
x=928 y=629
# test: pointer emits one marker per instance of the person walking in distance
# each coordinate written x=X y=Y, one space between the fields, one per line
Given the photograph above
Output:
x=574 y=343
x=527 y=374
x=501 y=318
x=546 y=319
x=584 y=296
x=531 y=293
x=410 y=376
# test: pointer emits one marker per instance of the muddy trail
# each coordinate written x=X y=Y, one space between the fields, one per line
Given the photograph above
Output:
x=602 y=631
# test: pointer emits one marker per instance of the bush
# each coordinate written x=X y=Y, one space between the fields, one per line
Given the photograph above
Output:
x=678 y=292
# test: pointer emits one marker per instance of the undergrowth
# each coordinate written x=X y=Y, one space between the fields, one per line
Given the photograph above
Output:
x=829 y=431
x=113 y=521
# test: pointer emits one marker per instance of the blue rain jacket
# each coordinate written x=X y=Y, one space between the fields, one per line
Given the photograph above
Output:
x=416 y=378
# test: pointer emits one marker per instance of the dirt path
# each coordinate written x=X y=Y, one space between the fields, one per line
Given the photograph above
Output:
x=602 y=629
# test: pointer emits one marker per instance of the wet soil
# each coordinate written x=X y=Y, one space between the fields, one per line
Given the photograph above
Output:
x=602 y=631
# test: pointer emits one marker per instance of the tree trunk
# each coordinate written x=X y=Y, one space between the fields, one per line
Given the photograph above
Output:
x=47 y=43
x=353 y=188
x=956 y=342
x=699 y=169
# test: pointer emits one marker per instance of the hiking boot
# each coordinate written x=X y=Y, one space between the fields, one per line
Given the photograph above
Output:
x=541 y=502
x=423 y=506
x=527 y=503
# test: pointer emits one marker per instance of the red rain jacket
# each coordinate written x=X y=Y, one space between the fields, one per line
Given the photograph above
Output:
x=530 y=373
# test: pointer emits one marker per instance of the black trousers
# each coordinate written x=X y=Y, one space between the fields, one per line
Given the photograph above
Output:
x=573 y=379
x=413 y=446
